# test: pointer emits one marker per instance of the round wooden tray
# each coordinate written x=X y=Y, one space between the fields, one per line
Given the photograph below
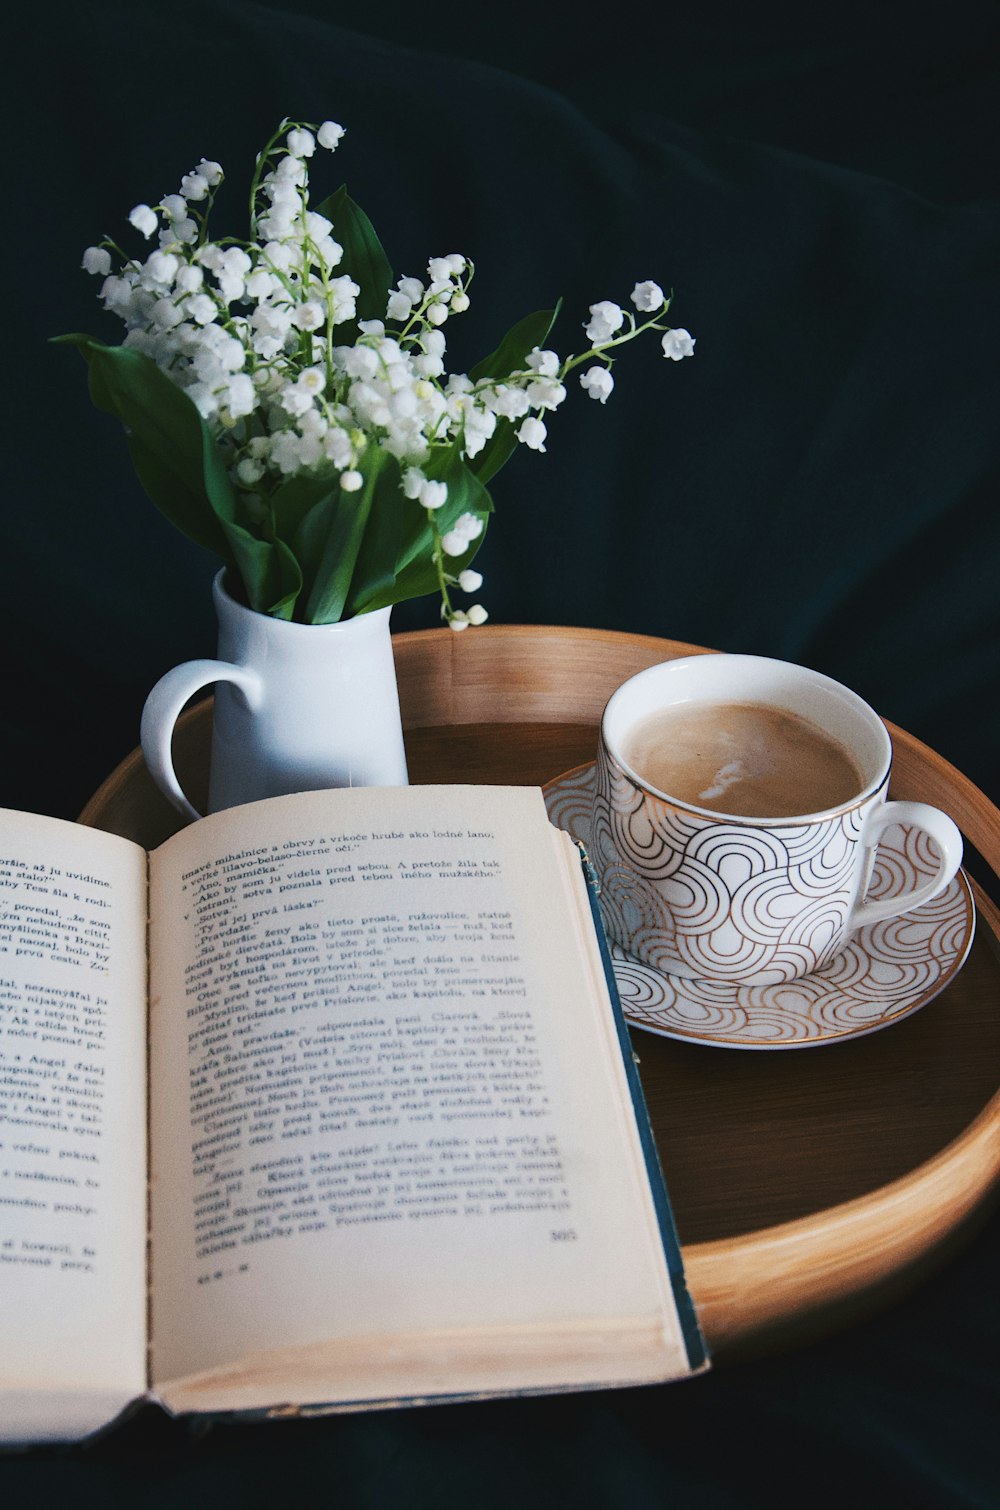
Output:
x=810 y=1187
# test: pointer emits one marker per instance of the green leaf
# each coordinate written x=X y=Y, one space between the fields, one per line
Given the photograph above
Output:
x=375 y=570
x=416 y=573
x=293 y=499
x=364 y=259
x=329 y=540
x=182 y=469
x=284 y=580
x=171 y=446
x=522 y=338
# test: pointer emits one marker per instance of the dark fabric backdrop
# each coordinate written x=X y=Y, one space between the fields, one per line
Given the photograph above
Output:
x=819 y=483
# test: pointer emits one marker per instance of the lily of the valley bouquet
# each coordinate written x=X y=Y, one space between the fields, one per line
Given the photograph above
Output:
x=289 y=408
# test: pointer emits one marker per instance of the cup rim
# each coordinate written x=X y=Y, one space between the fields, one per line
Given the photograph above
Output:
x=714 y=815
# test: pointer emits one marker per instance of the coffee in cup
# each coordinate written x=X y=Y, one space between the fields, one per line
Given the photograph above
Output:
x=737 y=810
x=748 y=758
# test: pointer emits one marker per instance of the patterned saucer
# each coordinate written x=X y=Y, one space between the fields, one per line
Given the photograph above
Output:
x=887 y=971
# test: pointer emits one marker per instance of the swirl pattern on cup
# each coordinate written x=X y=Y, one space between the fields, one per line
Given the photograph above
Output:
x=716 y=899
x=885 y=972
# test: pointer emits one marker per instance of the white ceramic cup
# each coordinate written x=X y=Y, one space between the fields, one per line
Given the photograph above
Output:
x=716 y=896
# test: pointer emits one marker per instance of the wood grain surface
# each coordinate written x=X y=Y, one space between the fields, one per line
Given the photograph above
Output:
x=807 y=1187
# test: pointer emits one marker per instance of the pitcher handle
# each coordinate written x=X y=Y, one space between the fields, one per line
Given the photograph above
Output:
x=161 y=711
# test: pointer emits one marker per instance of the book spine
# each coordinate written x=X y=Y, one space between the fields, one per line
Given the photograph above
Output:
x=694 y=1342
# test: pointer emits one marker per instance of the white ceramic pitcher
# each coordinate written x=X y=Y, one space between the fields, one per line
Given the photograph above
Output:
x=297 y=707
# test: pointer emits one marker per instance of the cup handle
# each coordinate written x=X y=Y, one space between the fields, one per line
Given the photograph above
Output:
x=160 y=714
x=946 y=836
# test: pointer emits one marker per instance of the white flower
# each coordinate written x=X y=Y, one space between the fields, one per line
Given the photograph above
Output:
x=508 y=402
x=240 y=397
x=532 y=434
x=458 y=539
x=297 y=397
x=210 y=171
x=189 y=279
x=174 y=206
x=457 y=263
x=545 y=393
x=605 y=319
x=437 y=313
x=433 y=494
x=285 y=451
x=144 y=219
x=249 y=471
x=96 y=259
x=358 y=361
x=369 y=405
x=310 y=450
x=337 y=447
x=403 y=403
x=194 y=186
x=439 y=269
x=309 y=316
x=479 y=426
x=211 y=256
x=166 y=313
x=317 y=226
x=230 y=353
x=458 y=620
x=301 y=143
x=200 y=308
x=313 y=423
x=477 y=614
x=648 y=297
x=412 y=289
x=326 y=252
x=413 y=481
x=469 y=526
x=279 y=256
x=399 y=307
x=205 y=402
x=161 y=267
x=469 y=580
x=329 y=135
x=351 y=481
x=343 y=291
x=545 y=363
x=288 y=170
x=428 y=367
x=598 y=382
x=312 y=381
x=118 y=291
x=261 y=284
x=459 y=303
x=678 y=344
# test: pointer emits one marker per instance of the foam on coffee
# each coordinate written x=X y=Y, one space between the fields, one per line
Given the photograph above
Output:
x=751 y=760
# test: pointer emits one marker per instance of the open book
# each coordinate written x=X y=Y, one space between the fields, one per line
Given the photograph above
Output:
x=325 y=1103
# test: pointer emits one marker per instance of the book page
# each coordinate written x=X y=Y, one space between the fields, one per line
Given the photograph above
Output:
x=384 y=1096
x=72 y=1116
